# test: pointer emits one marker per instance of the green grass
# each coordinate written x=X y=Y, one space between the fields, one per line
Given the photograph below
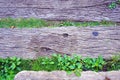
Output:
x=9 y=66
x=38 y=23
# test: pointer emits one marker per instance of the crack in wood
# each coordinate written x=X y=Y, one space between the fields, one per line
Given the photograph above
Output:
x=47 y=49
x=37 y=6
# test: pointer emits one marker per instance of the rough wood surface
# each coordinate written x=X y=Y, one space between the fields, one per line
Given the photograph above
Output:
x=88 y=41
x=62 y=75
x=78 y=10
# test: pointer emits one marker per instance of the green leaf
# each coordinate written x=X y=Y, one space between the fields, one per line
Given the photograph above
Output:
x=72 y=67
x=5 y=69
x=79 y=65
x=64 y=67
x=18 y=59
x=18 y=63
x=112 y=5
x=59 y=59
x=69 y=72
x=13 y=66
x=43 y=63
x=18 y=68
x=69 y=58
x=77 y=72
x=97 y=64
x=68 y=63
x=13 y=58
x=51 y=62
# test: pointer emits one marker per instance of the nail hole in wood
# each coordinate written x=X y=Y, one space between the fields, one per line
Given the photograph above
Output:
x=65 y=35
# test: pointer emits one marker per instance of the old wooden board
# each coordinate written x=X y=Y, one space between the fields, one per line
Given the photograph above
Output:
x=35 y=42
x=77 y=10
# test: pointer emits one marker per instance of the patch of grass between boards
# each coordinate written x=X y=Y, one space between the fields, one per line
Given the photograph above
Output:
x=38 y=23
x=71 y=64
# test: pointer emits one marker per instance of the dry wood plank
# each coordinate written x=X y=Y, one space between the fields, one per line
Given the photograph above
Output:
x=31 y=43
x=77 y=10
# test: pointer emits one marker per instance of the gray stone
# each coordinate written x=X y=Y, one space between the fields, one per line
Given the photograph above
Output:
x=77 y=10
x=62 y=75
x=32 y=43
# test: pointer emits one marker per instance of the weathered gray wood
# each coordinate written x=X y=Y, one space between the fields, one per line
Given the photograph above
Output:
x=31 y=43
x=62 y=75
x=79 y=10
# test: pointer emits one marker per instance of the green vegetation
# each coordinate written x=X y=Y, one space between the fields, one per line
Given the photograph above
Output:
x=71 y=64
x=114 y=4
x=9 y=67
x=94 y=64
x=38 y=23
x=113 y=64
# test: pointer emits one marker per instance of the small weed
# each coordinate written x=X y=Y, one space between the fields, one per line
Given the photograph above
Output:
x=114 y=4
x=44 y=63
x=69 y=64
x=26 y=64
x=94 y=64
x=113 y=64
x=9 y=67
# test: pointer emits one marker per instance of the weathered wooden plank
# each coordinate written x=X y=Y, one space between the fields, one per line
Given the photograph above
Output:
x=31 y=43
x=78 y=10
x=62 y=75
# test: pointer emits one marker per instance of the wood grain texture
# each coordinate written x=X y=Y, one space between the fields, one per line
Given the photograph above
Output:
x=77 y=10
x=62 y=75
x=88 y=41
